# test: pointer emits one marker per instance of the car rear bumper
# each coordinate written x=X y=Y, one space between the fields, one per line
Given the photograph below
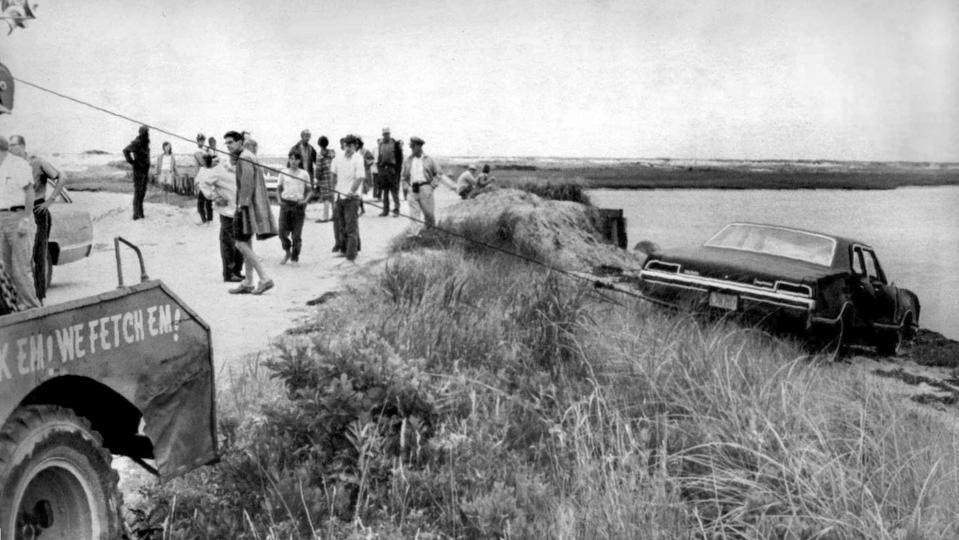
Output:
x=704 y=293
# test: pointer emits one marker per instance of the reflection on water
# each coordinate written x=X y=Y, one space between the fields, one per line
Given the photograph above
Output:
x=915 y=231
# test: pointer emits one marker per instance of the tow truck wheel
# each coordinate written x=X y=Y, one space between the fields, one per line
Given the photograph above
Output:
x=55 y=478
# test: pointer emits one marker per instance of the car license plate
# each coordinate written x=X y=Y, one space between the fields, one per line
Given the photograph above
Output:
x=724 y=301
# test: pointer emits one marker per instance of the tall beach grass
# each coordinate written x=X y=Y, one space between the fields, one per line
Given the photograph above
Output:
x=461 y=394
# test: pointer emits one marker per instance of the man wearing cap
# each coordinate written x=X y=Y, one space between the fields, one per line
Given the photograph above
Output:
x=43 y=173
x=308 y=154
x=422 y=174
x=466 y=183
x=389 y=161
x=17 y=225
x=137 y=154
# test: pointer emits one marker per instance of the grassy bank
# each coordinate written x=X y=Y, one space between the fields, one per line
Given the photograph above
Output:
x=455 y=393
x=640 y=176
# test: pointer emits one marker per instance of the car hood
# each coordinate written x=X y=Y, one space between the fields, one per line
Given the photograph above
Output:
x=743 y=266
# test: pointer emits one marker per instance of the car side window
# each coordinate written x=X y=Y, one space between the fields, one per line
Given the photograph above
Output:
x=872 y=267
x=857 y=262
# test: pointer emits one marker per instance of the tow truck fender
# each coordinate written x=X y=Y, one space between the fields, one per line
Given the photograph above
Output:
x=137 y=349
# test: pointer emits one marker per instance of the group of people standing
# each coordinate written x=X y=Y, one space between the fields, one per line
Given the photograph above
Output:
x=235 y=189
x=25 y=223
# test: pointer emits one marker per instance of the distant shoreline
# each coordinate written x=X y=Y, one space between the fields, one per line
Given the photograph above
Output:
x=640 y=174
x=737 y=176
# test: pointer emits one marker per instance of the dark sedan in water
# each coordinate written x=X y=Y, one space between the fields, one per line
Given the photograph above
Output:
x=830 y=289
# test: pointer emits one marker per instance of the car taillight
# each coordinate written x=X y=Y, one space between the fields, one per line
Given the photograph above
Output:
x=663 y=266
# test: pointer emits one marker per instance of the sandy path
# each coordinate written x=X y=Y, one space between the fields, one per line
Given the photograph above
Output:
x=185 y=256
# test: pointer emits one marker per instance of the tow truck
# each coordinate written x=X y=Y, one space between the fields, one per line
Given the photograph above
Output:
x=128 y=372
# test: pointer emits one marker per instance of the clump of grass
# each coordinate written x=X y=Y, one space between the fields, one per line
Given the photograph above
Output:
x=560 y=233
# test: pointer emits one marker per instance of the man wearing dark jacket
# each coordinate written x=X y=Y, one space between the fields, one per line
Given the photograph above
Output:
x=137 y=154
x=389 y=162
x=308 y=153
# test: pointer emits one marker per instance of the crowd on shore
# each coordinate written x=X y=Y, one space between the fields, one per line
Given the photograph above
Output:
x=233 y=185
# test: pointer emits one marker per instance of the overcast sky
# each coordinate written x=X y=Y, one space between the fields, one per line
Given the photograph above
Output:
x=837 y=79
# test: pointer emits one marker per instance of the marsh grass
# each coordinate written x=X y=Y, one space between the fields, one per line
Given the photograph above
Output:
x=476 y=397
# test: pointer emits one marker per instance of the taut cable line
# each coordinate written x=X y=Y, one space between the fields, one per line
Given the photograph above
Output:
x=530 y=260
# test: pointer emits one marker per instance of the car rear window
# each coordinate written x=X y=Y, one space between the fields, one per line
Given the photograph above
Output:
x=789 y=243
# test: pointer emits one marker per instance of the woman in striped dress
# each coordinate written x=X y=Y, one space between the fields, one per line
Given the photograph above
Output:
x=324 y=179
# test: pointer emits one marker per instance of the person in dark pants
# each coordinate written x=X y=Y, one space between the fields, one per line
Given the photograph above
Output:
x=43 y=173
x=209 y=158
x=219 y=185
x=294 y=192
x=137 y=154
x=389 y=162
x=346 y=225
x=349 y=172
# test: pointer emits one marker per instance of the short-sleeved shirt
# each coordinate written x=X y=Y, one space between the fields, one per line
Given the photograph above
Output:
x=293 y=184
x=43 y=172
x=15 y=174
x=348 y=170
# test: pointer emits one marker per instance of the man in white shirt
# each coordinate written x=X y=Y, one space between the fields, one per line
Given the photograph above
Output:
x=17 y=226
x=349 y=172
x=422 y=174
x=44 y=173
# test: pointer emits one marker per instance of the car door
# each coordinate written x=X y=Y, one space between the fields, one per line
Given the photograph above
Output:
x=874 y=298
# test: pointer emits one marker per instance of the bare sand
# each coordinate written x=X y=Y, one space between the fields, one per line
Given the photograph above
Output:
x=185 y=256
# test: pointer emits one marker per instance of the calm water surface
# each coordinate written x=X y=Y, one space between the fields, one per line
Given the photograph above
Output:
x=915 y=231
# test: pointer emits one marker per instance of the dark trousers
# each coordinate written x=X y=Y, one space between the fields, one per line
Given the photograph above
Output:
x=231 y=257
x=346 y=226
x=140 y=179
x=292 y=216
x=40 y=248
x=391 y=186
x=204 y=207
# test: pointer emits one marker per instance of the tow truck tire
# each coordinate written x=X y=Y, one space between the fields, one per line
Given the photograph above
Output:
x=55 y=478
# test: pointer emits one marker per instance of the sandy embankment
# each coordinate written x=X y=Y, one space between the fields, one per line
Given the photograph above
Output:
x=186 y=257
